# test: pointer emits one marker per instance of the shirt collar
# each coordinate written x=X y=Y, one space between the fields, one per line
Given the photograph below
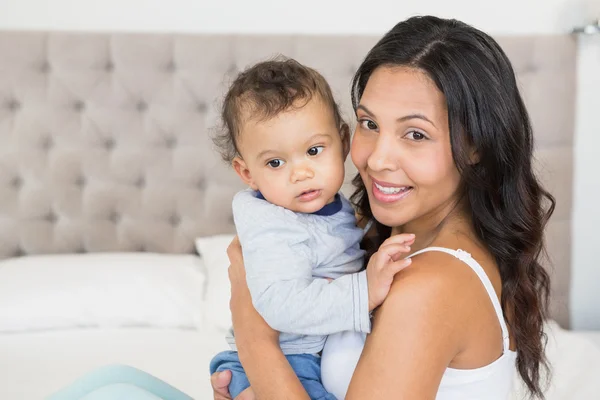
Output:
x=329 y=209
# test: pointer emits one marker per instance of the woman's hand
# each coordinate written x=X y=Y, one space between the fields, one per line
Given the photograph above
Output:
x=220 y=381
x=248 y=325
x=220 y=384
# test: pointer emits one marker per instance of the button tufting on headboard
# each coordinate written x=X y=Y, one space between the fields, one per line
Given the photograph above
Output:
x=140 y=182
x=174 y=220
x=45 y=67
x=47 y=143
x=141 y=106
x=114 y=217
x=530 y=68
x=171 y=67
x=171 y=142
x=51 y=217
x=17 y=252
x=233 y=69
x=80 y=181
x=201 y=107
x=16 y=182
x=109 y=144
x=79 y=106
x=13 y=105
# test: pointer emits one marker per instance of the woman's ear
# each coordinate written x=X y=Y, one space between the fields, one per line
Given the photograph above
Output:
x=473 y=156
x=240 y=168
x=345 y=135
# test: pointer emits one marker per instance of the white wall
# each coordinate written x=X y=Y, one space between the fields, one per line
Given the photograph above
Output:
x=376 y=16
x=331 y=16
x=585 y=295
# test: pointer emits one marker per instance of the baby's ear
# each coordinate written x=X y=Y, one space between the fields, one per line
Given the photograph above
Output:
x=345 y=135
x=240 y=168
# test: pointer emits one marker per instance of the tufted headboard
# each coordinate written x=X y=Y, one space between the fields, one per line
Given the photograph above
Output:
x=104 y=138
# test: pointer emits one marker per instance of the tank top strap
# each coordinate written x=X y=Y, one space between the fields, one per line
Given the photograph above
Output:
x=470 y=261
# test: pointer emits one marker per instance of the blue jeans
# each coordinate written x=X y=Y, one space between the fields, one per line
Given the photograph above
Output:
x=119 y=382
x=306 y=366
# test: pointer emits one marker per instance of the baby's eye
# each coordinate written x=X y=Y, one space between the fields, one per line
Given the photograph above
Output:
x=276 y=163
x=315 y=150
x=416 y=136
x=368 y=124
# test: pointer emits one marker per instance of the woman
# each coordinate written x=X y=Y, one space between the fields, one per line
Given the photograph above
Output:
x=443 y=146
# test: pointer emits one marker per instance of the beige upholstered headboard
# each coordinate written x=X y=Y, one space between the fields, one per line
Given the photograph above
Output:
x=104 y=140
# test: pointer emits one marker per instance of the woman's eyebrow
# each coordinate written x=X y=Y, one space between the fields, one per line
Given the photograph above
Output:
x=413 y=116
x=365 y=109
x=401 y=119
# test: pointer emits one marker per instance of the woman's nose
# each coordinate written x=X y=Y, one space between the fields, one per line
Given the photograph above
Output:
x=384 y=155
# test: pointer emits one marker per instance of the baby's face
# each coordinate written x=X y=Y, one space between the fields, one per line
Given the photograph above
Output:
x=295 y=159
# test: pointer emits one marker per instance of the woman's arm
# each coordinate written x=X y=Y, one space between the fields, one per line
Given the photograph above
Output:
x=416 y=334
x=272 y=377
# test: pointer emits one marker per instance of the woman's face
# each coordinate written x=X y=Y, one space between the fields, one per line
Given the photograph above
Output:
x=401 y=147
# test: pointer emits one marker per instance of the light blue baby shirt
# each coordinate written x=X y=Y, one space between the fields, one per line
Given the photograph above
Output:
x=287 y=255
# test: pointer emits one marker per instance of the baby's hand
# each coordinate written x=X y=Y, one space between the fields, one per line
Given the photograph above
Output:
x=383 y=265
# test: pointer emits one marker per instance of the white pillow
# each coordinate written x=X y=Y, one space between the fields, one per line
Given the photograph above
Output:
x=101 y=290
x=575 y=366
x=213 y=250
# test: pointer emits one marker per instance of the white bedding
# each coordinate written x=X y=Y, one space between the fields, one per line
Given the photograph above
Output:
x=593 y=337
x=103 y=290
x=153 y=312
x=33 y=365
x=575 y=362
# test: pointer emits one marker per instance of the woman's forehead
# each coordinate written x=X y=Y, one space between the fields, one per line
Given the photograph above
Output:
x=404 y=90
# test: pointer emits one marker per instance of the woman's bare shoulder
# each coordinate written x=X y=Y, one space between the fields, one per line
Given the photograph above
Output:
x=439 y=284
x=433 y=269
x=423 y=313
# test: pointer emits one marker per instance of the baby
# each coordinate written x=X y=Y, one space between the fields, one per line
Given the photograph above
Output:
x=285 y=138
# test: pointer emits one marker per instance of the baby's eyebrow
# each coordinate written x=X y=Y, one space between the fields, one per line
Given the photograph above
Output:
x=317 y=136
x=263 y=153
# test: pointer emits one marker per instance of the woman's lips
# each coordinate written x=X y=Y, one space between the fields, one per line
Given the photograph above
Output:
x=387 y=193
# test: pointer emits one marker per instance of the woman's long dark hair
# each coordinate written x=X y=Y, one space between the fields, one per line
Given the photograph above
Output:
x=509 y=206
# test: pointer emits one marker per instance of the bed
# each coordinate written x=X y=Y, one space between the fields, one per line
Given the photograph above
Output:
x=115 y=208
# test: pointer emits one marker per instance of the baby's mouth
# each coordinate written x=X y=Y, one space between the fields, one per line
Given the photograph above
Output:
x=309 y=194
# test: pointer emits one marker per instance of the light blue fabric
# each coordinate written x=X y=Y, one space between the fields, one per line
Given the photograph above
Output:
x=306 y=366
x=119 y=382
x=287 y=255
x=120 y=391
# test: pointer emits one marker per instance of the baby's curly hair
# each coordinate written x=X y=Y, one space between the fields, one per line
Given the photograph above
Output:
x=265 y=90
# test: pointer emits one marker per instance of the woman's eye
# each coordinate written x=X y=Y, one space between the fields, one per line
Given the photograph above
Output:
x=416 y=136
x=275 y=163
x=368 y=124
x=315 y=150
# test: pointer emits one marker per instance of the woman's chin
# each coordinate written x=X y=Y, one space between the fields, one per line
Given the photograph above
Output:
x=388 y=217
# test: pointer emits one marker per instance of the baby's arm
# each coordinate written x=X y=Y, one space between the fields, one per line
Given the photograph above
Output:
x=279 y=271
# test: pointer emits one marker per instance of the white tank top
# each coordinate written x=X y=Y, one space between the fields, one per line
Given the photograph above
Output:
x=491 y=382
